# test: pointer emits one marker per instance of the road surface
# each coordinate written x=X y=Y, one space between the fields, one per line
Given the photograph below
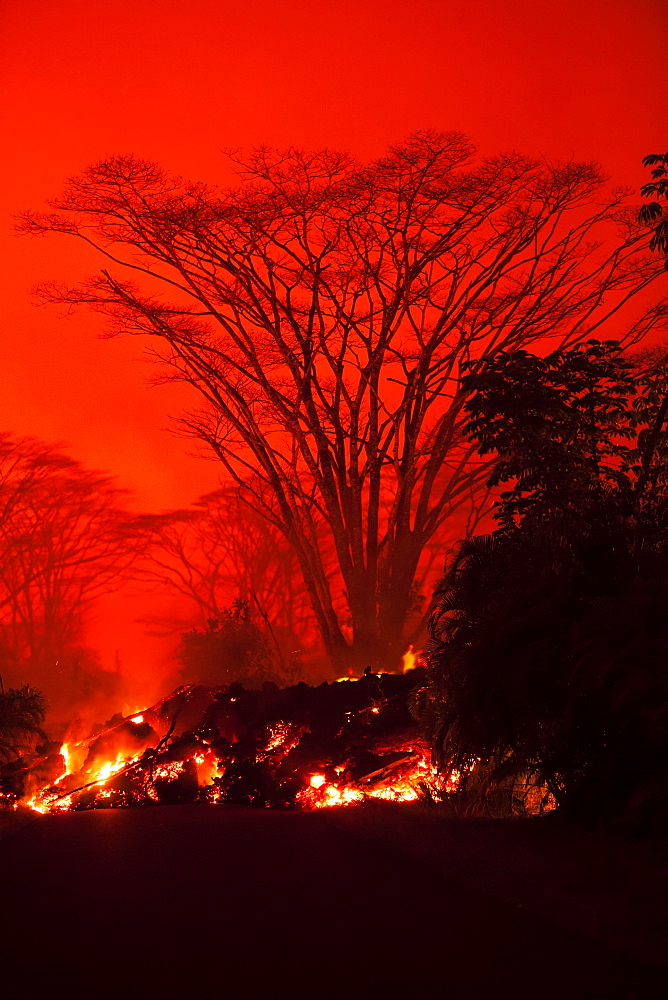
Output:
x=222 y=901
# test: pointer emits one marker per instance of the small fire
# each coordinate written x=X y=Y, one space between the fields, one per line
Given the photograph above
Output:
x=409 y=659
x=169 y=771
x=74 y=755
x=402 y=782
x=282 y=737
x=207 y=768
x=109 y=768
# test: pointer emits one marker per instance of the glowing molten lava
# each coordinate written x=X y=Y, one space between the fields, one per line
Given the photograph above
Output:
x=299 y=747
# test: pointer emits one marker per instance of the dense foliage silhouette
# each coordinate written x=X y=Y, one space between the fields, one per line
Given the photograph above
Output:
x=231 y=647
x=66 y=538
x=22 y=712
x=654 y=212
x=550 y=638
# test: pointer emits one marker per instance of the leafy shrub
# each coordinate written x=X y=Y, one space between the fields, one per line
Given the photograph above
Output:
x=230 y=648
x=549 y=636
x=22 y=712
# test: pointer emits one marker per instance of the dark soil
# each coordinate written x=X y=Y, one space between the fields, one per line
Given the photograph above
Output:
x=606 y=886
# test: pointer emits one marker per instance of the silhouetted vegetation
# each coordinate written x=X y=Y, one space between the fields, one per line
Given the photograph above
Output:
x=323 y=309
x=22 y=712
x=550 y=635
x=221 y=550
x=65 y=539
x=232 y=647
x=654 y=212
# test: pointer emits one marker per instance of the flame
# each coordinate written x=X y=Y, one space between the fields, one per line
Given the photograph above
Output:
x=109 y=768
x=73 y=755
x=409 y=659
x=169 y=771
x=207 y=768
x=398 y=783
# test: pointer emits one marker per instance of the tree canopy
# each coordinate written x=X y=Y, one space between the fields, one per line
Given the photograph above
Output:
x=324 y=308
x=65 y=539
x=221 y=550
x=550 y=639
x=230 y=648
x=654 y=212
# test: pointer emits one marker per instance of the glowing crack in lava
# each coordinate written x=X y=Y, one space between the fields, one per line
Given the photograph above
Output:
x=407 y=781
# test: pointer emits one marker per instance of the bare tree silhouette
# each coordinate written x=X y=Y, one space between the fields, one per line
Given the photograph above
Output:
x=323 y=309
x=65 y=539
x=221 y=550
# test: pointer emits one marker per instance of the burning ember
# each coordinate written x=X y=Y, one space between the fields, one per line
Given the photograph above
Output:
x=299 y=747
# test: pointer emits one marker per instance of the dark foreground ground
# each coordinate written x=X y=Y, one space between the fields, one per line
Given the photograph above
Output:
x=221 y=901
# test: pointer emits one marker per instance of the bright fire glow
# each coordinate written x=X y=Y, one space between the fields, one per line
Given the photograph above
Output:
x=400 y=783
x=111 y=767
x=193 y=767
x=409 y=659
x=207 y=768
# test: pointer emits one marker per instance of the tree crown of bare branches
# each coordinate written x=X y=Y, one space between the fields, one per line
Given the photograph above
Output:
x=65 y=539
x=323 y=309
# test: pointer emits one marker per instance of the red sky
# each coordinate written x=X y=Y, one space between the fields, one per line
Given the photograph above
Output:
x=178 y=80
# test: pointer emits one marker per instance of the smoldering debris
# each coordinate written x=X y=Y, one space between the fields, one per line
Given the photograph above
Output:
x=279 y=748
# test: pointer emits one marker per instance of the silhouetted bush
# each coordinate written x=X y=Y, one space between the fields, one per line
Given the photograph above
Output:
x=22 y=712
x=549 y=636
x=231 y=647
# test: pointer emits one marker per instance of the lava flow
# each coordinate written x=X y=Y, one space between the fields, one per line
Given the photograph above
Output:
x=298 y=747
